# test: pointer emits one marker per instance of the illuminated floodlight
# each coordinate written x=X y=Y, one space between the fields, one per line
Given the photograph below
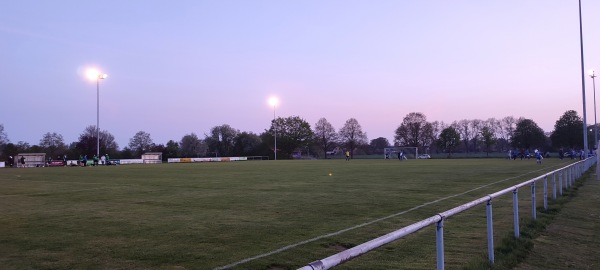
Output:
x=93 y=74
x=273 y=101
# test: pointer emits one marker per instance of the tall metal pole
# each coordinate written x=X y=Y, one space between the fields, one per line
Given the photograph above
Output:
x=593 y=75
x=585 y=139
x=98 y=116
x=275 y=126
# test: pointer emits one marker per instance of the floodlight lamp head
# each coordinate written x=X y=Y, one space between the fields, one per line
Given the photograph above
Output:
x=102 y=76
x=592 y=73
x=273 y=101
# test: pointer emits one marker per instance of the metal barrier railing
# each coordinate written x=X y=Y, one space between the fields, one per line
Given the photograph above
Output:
x=566 y=178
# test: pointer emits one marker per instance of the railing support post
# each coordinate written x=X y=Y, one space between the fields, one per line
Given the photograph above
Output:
x=561 y=177
x=533 y=201
x=490 y=231
x=554 y=186
x=567 y=178
x=546 y=192
x=439 y=243
x=571 y=175
x=516 y=211
x=567 y=170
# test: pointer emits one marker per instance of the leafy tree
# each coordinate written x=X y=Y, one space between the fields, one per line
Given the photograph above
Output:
x=126 y=153
x=221 y=140
x=292 y=133
x=247 y=144
x=160 y=148
x=352 y=135
x=488 y=138
x=172 y=150
x=378 y=145
x=140 y=143
x=325 y=135
x=86 y=144
x=414 y=131
x=53 y=144
x=449 y=140
x=568 y=131
x=528 y=134
x=10 y=149
x=192 y=146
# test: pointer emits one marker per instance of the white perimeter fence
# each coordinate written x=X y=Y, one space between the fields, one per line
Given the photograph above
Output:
x=566 y=178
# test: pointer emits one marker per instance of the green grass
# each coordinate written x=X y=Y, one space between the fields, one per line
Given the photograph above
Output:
x=203 y=216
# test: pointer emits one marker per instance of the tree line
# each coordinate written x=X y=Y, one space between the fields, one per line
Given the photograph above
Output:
x=295 y=136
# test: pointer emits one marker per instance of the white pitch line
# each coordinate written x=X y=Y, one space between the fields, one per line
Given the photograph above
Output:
x=363 y=224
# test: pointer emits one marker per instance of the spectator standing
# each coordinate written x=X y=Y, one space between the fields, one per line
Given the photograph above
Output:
x=561 y=154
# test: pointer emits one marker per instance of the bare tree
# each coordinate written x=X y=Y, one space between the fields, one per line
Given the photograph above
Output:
x=325 y=135
x=508 y=125
x=475 y=126
x=436 y=130
x=414 y=131
x=3 y=137
x=53 y=144
x=462 y=127
x=352 y=136
x=141 y=143
x=493 y=126
x=87 y=142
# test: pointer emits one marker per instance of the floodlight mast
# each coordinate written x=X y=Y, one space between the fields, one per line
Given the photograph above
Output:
x=273 y=101
x=585 y=138
x=593 y=76
x=98 y=78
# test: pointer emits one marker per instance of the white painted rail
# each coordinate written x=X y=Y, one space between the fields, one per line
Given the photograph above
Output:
x=567 y=174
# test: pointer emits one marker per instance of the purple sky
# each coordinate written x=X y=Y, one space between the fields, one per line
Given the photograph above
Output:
x=177 y=67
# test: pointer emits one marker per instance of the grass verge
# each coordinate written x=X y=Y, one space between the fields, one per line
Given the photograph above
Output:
x=562 y=237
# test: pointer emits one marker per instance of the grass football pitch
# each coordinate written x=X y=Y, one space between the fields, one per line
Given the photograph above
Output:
x=253 y=214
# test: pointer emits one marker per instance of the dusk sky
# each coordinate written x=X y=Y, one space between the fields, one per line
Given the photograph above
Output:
x=177 y=67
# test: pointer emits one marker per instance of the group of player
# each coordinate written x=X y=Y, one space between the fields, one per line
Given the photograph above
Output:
x=574 y=154
x=400 y=154
x=525 y=154
x=103 y=160
x=539 y=155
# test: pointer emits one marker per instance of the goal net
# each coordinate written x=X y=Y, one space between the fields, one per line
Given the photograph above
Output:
x=408 y=152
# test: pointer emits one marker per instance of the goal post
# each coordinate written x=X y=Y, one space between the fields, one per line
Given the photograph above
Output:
x=409 y=152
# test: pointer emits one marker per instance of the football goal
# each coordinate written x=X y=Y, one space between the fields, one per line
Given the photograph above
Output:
x=408 y=152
